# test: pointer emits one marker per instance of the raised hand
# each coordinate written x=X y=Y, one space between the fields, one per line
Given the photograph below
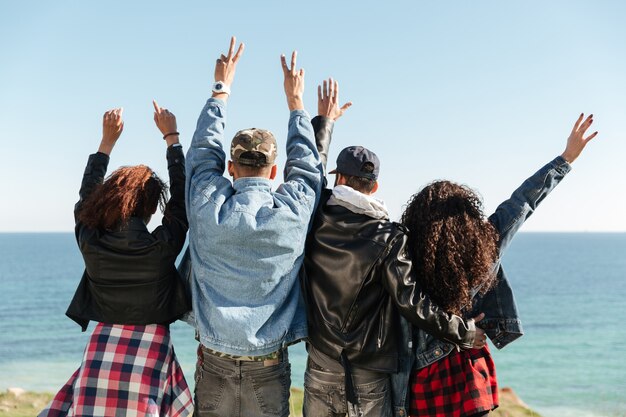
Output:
x=226 y=65
x=294 y=83
x=112 y=126
x=576 y=141
x=166 y=122
x=328 y=100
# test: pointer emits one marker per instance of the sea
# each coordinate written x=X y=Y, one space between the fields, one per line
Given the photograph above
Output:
x=570 y=289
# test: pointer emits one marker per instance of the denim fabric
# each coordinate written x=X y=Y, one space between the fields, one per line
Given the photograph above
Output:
x=501 y=323
x=246 y=241
x=325 y=395
x=230 y=388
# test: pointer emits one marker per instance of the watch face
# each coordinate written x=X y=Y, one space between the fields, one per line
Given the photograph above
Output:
x=219 y=86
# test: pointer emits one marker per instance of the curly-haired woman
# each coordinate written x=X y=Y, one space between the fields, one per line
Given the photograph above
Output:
x=130 y=285
x=456 y=251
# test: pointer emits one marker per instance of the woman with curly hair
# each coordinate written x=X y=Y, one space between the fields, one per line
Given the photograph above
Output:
x=130 y=285
x=455 y=250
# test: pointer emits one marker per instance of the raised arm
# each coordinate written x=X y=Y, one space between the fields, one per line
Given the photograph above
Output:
x=112 y=126
x=512 y=213
x=417 y=307
x=303 y=168
x=328 y=111
x=174 y=225
x=206 y=157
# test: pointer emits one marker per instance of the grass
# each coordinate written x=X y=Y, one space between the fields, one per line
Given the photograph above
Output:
x=30 y=404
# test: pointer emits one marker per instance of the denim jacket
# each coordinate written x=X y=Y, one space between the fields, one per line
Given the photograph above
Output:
x=501 y=322
x=246 y=241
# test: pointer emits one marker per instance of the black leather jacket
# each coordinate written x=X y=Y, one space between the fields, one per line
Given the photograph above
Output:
x=130 y=277
x=356 y=280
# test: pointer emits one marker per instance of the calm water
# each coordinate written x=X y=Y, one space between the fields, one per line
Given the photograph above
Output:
x=571 y=291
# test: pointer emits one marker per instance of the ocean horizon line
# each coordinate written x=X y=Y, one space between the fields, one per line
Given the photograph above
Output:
x=608 y=232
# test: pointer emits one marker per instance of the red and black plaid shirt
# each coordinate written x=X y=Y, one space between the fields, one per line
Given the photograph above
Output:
x=126 y=371
x=459 y=385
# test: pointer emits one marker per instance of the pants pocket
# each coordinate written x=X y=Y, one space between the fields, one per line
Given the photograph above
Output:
x=210 y=387
x=271 y=389
x=375 y=398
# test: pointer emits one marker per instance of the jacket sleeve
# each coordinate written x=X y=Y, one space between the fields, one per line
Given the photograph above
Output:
x=416 y=306
x=94 y=175
x=174 y=225
x=206 y=159
x=512 y=213
x=323 y=128
x=303 y=168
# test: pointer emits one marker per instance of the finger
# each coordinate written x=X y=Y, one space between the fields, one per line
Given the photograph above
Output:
x=301 y=72
x=336 y=90
x=583 y=127
x=294 y=56
x=157 y=109
x=283 y=63
x=319 y=93
x=346 y=106
x=121 y=110
x=588 y=138
x=231 y=48
x=325 y=90
x=479 y=317
x=239 y=52
x=577 y=123
x=333 y=89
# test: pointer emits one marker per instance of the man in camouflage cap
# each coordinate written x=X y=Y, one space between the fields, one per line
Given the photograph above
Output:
x=246 y=244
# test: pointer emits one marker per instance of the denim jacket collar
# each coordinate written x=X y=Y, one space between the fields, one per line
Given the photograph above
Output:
x=244 y=183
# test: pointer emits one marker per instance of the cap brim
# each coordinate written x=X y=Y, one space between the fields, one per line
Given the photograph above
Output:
x=334 y=171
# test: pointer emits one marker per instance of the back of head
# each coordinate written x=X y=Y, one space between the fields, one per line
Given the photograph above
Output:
x=134 y=191
x=452 y=245
x=359 y=167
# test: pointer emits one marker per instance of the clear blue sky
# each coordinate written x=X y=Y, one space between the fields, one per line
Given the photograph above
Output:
x=481 y=92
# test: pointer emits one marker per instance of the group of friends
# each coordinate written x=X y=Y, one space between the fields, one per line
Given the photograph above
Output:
x=395 y=316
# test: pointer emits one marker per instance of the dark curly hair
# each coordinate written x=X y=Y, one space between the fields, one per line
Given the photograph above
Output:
x=134 y=191
x=452 y=245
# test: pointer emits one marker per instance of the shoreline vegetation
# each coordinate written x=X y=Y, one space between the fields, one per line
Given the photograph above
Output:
x=16 y=402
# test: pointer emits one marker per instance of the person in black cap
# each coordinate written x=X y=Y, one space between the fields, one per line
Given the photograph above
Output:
x=356 y=280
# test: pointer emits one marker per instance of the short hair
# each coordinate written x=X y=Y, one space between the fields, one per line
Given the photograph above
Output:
x=246 y=170
x=362 y=184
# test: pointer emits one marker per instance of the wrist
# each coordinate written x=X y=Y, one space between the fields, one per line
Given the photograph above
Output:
x=172 y=139
x=295 y=103
x=105 y=147
x=220 y=96
x=569 y=158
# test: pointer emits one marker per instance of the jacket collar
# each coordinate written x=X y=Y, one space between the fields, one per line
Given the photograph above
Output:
x=243 y=183
x=135 y=224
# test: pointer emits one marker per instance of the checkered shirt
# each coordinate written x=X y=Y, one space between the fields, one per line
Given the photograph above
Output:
x=458 y=385
x=126 y=371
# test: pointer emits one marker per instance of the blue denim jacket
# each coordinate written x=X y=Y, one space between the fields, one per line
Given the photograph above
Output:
x=501 y=322
x=246 y=241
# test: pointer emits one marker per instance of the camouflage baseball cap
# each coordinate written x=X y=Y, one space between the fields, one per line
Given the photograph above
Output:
x=252 y=141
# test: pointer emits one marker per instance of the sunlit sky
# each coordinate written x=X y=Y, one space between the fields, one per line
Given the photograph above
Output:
x=480 y=92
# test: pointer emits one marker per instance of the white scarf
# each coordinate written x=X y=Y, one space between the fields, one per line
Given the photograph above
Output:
x=358 y=202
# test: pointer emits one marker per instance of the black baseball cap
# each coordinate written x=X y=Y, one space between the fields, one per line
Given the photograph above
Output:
x=352 y=161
